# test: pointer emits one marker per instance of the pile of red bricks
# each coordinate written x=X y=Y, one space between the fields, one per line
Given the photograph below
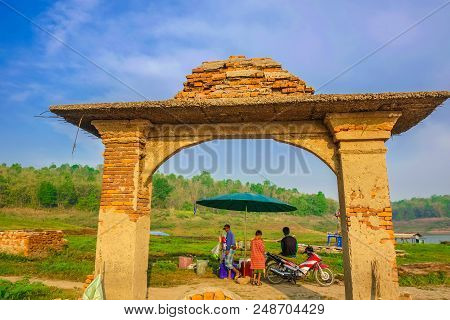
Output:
x=239 y=77
x=31 y=243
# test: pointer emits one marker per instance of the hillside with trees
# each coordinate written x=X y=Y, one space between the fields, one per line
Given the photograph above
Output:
x=75 y=186
x=417 y=208
x=79 y=187
x=65 y=187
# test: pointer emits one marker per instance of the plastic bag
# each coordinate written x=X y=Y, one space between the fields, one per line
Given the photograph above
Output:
x=95 y=290
x=216 y=250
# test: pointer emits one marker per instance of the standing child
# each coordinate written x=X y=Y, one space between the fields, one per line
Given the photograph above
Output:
x=258 y=259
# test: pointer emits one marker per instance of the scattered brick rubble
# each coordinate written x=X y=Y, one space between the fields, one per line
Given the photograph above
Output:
x=239 y=77
x=217 y=295
x=87 y=282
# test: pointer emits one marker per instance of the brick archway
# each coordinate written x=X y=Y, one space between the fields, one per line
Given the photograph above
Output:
x=251 y=98
x=135 y=149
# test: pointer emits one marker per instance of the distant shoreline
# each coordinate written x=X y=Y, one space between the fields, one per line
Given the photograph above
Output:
x=438 y=232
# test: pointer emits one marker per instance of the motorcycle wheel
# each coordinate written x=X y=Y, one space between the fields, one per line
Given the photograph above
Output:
x=324 y=278
x=270 y=275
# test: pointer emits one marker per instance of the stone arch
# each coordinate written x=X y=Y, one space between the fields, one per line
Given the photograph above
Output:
x=322 y=147
x=158 y=151
x=134 y=149
x=346 y=131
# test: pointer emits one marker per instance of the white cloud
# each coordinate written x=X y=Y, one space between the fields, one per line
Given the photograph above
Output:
x=64 y=18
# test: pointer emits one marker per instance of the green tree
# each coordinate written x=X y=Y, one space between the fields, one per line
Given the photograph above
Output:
x=47 y=194
x=205 y=179
x=3 y=191
x=67 y=196
x=319 y=204
x=257 y=188
x=90 y=202
x=161 y=191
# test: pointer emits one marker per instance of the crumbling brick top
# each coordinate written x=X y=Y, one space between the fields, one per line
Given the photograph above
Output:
x=242 y=90
x=240 y=77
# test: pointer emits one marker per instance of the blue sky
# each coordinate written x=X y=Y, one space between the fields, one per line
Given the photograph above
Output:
x=152 y=45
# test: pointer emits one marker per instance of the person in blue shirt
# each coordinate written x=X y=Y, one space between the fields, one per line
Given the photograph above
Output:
x=230 y=248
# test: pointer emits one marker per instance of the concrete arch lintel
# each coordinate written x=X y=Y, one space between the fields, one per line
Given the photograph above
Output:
x=159 y=151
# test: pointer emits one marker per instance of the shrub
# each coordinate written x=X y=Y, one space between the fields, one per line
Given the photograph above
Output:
x=187 y=206
x=164 y=265
x=25 y=290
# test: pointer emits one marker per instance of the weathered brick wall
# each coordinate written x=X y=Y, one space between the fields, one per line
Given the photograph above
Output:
x=364 y=215
x=122 y=190
x=368 y=237
x=124 y=215
x=239 y=77
x=31 y=243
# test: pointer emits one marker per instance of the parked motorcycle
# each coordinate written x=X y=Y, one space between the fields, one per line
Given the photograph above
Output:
x=279 y=269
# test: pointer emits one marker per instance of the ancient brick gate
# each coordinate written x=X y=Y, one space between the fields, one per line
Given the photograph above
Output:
x=251 y=98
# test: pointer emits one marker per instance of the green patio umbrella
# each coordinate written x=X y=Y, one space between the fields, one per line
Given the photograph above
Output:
x=247 y=202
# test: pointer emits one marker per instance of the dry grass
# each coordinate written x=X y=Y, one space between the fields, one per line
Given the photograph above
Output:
x=424 y=225
x=70 y=220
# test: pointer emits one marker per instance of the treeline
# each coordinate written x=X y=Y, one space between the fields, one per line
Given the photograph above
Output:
x=174 y=191
x=66 y=186
x=416 y=208
x=75 y=186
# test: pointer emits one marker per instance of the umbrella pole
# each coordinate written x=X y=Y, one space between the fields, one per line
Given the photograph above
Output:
x=245 y=239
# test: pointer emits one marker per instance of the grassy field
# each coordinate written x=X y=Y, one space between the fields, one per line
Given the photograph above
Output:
x=189 y=235
x=71 y=221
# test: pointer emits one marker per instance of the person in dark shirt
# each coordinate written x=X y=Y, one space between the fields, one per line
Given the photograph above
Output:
x=288 y=244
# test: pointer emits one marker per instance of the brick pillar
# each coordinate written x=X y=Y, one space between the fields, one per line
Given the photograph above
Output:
x=370 y=268
x=124 y=220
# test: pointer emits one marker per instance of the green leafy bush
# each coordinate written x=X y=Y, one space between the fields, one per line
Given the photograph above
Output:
x=26 y=290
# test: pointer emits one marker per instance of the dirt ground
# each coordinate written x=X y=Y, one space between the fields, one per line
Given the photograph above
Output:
x=424 y=268
x=284 y=291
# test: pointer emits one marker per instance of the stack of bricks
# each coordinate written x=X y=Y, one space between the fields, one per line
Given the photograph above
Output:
x=239 y=77
x=384 y=220
x=121 y=189
x=31 y=243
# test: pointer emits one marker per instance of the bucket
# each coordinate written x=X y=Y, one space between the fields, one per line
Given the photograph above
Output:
x=201 y=266
x=184 y=262
x=245 y=267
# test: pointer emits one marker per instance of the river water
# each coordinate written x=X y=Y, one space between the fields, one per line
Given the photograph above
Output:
x=436 y=238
